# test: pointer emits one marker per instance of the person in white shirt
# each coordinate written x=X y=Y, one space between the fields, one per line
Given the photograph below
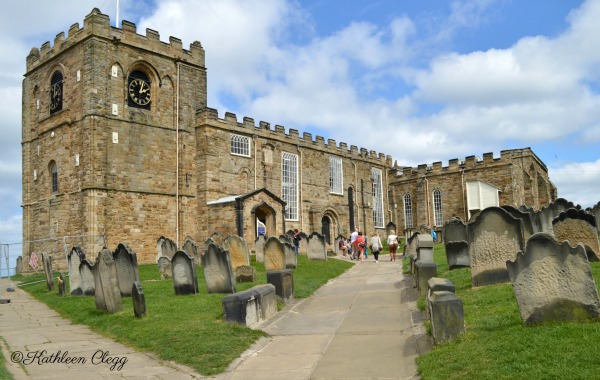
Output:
x=353 y=237
x=392 y=241
x=376 y=246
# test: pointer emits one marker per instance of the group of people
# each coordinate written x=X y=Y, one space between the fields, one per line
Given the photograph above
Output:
x=356 y=247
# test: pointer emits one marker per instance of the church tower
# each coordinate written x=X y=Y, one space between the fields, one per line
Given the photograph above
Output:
x=108 y=139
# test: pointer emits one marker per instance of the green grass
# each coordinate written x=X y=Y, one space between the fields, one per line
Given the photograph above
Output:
x=4 y=374
x=497 y=345
x=186 y=329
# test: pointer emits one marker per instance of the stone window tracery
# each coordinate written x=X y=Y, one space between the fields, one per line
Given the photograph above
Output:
x=54 y=177
x=240 y=145
x=376 y=179
x=336 y=179
x=408 y=217
x=289 y=184
x=438 y=217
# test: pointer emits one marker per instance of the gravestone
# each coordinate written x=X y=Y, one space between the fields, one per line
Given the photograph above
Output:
x=218 y=273
x=553 y=281
x=138 y=299
x=316 y=247
x=47 y=264
x=87 y=283
x=238 y=251
x=127 y=268
x=183 y=272
x=455 y=244
x=494 y=237
x=285 y=238
x=291 y=259
x=217 y=238
x=190 y=247
x=61 y=285
x=274 y=255
x=525 y=218
x=250 y=306
x=425 y=248
x=74 y=261
x=19 y=265
x=208 y=242
x=447 y=316
x=165 y=247
x=259 y=248
x=546 y=215
x=303 y=248
x=108 y=295
x=164 y=268
x=435 y=284
x=596 y=212
x=283 y=282
x=245 y=273
x=578 y=227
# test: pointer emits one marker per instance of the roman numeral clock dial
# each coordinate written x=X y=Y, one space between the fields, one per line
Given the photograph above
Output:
x=139 y=92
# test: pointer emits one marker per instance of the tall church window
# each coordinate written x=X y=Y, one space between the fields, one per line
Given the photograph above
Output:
x=438 y=218
x=56 y=92
x=377 y=198
x=240 y=145
x=54 y=177
x=408 y=214
x=289 y=184
x=336 y=180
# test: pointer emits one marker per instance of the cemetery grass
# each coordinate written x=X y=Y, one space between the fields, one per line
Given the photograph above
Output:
x=189 y=329
x=4 y=374
x=497 y=345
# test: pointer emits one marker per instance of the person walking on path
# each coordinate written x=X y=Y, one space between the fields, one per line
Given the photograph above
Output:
x=353 y=237
x=392 y=241
x=359 y=245
x=376 y=246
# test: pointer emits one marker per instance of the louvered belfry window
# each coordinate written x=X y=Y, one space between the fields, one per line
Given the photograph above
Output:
x=56 y=92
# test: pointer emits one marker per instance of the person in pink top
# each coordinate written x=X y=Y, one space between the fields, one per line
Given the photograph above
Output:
x=359 y=244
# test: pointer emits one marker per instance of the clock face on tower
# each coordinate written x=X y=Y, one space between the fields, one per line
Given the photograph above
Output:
x=139 y=92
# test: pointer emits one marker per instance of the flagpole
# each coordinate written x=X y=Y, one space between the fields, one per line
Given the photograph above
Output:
x=117 y=25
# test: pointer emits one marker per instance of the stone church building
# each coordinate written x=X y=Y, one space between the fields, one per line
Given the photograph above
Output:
x=118 y=142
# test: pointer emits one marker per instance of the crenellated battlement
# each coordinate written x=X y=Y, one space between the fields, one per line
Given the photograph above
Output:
x=98 y=25
x=263 y=130
x=465 y=164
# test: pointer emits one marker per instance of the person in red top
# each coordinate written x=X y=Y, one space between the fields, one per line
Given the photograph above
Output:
x=359 y=245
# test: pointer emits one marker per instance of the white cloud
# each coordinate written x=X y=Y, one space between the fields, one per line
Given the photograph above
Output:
x=578 y=182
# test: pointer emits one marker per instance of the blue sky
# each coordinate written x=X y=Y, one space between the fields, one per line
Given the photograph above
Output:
x=423 y=81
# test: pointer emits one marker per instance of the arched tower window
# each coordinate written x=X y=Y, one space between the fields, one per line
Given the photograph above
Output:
x=438 y=217
x=408 y=217
x=56 y=92
x=139 y=94
x=54 y=177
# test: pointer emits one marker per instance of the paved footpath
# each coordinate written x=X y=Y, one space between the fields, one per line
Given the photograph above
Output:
x=361 y=325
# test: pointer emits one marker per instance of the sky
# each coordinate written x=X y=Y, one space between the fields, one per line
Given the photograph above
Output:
x=422 y=81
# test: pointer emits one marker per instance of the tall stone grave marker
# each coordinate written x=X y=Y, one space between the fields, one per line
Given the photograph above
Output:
x=108 y=295
x=61 y=285
x=218 y=273
x=190 y=247
x=127 y=268
x=303 y=248
x=47 y=263
x=553 y=281
x=165 y=247
x=183 y=268
x=274 y=255
x=455 y=243
x=139 y=300
x=525 y=218
x=164 y=267
x=87 y=282
x=238 y=251
x=259 y=248
x=74 y=261
x=19 y=265
x=316 y=247
x=291 y=259
x=578 y=226
x=494 y=238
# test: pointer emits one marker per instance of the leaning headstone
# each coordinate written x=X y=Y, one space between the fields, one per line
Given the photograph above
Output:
x=547 y=214
x=164 y=268
x=425 y=248
x=183 y=270
x=47 y=263
x=303 y=247
x=208 y=242
x=291 y=259
x=316 y=247
x=87 y=283
x=595 y=210
x=19 y=265
x=455 y=243
x=138 y=299
x=238 y=251
x=553 y=281
x=283 y=282
x=74 y=261
x=127 y=268
x=578 y=226
x=259 y=248
x=525 y=218
x=108 y=295
x=285 y=238
x=217 y=238
x=190 y=247
x=218 y=273
x=274 y=255
x=61 y=285
x=447 y=316
x=250 y=306
x=494 y=237
x=436 y=284
x=165 y=247
x=245 y=273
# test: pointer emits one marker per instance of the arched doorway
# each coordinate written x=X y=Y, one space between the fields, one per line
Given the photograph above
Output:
x=264 y=220
x=326 y=229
